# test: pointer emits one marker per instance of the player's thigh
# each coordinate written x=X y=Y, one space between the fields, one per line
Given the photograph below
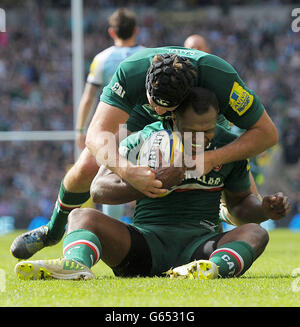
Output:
x=113 y=234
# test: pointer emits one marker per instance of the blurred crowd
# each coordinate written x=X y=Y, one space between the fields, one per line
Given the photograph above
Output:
x=36 y=88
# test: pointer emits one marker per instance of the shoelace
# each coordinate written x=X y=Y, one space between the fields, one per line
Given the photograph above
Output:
x=61 y=262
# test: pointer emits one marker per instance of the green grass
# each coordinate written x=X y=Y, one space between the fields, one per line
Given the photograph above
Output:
x=268 y=283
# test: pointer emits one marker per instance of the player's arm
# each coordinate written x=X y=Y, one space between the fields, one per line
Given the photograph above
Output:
x=103 y=145
x=109 y=188
x=243 y=205
x=84 y=109
x=248 y=208
x=242 y=107
x=259 y=137
x=114 y=109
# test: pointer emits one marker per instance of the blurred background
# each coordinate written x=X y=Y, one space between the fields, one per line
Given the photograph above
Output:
x=36 y=86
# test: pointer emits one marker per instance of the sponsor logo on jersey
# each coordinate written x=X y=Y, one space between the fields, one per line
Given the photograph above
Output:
x=182 y=51
x=240 y=100
x=118 y=89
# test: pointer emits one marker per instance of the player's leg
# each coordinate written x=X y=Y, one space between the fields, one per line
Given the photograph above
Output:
x=228 y=254
x=91 y=236
x=74 y=191
x=111 y=236
x=121 y=246
x=238 y=249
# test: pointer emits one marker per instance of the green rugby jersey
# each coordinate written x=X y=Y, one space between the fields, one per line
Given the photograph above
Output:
x=196 y=200
x=126 y=90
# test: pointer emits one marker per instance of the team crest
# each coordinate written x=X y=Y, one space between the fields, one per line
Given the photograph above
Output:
x=240 y=100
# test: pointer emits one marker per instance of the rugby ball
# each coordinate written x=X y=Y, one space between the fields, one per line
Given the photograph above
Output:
x=164 y=141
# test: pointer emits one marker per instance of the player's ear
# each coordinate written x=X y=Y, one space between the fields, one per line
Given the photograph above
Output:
x=112 y=33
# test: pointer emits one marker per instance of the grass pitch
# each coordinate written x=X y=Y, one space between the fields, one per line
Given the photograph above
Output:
x=268 y=283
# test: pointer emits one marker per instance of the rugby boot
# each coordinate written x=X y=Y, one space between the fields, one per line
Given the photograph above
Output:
x=53 y=269
x=27 y=244
x=198 y=269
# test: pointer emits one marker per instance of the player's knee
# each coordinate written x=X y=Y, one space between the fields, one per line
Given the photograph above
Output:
x=86 y=166
x=259 y=237
x=79 y=218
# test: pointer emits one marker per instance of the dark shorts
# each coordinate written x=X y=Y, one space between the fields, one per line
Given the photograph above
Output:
x=145 y=259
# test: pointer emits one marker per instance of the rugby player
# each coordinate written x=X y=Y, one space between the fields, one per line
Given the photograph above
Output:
x=196 y=41
x=180 y=229
x=123 y=30
x=152 y=83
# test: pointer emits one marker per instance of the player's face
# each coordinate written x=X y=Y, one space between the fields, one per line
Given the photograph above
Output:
x=159 y=109
x=193 y=123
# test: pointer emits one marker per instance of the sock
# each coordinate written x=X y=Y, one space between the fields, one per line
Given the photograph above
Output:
x=66 y=202
x=233 y=258
x=83 y=246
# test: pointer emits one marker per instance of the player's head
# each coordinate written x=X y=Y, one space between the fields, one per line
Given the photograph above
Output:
x=168 y=81
x=198 y=113
x=122 y=24
x=198 y=42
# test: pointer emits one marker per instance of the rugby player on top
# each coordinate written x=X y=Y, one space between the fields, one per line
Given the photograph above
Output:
x=154 y=82
x=173 y=230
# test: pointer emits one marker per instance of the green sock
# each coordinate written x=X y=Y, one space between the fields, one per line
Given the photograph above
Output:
x=82 y=246
x=66 y=202
x=233 y=258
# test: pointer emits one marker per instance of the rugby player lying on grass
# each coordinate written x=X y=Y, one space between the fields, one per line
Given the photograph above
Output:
x=180 y=229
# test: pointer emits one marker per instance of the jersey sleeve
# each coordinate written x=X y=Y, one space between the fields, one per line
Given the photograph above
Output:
x=239 y=104
x=115 y=92
x=127 y=86
x=95 y=75
x=238 y=180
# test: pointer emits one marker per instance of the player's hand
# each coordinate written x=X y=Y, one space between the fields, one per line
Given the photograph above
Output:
x=80 y=140
x=276 y=206
x=143 y=179
x=170 y=174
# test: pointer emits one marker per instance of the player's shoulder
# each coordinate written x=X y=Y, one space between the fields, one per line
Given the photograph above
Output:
x=102 y=55
x=217 y=63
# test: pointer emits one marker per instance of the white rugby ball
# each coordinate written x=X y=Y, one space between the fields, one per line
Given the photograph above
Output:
x=164 y=140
